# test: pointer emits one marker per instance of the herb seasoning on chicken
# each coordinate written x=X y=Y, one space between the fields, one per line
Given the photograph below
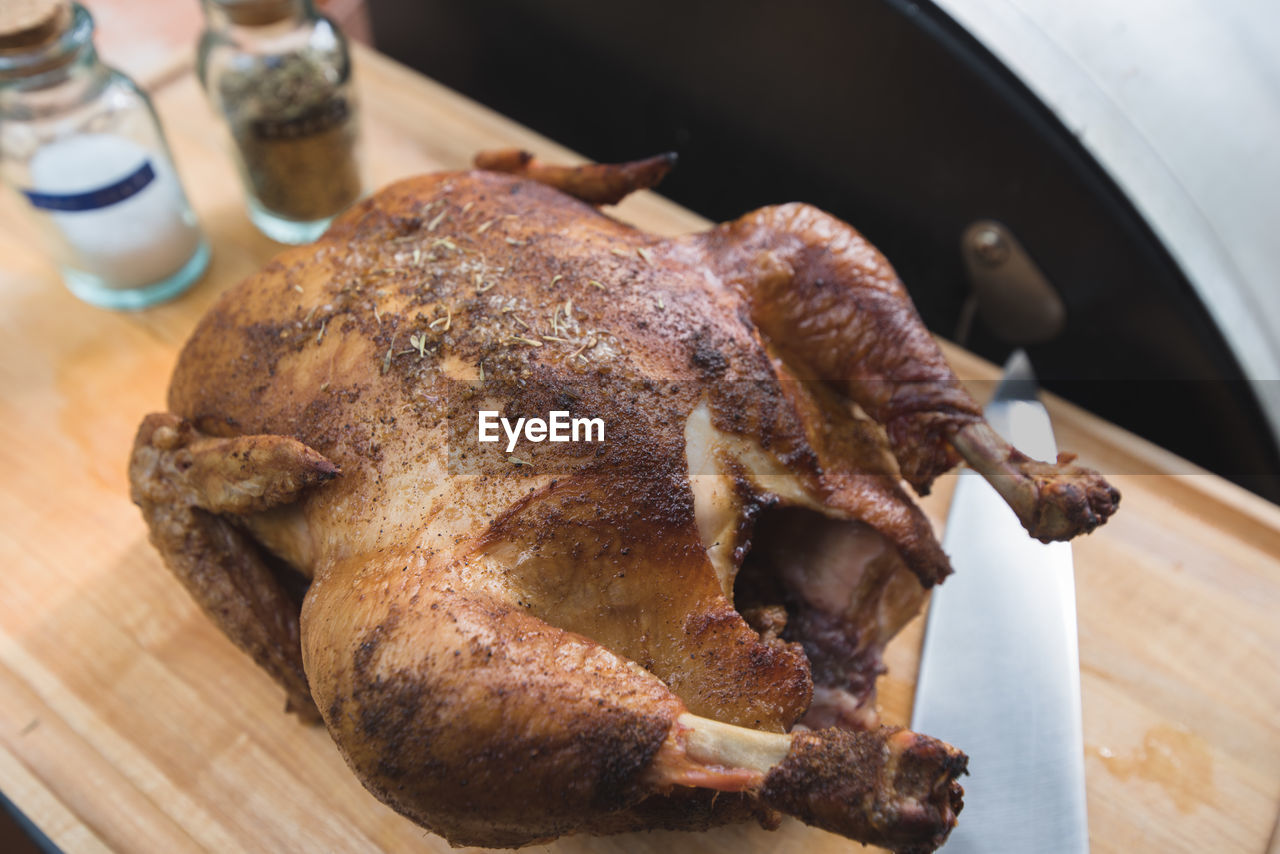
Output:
x=583 y=638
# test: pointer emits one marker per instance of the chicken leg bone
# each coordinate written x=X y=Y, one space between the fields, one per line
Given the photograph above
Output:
x=833 y=307
x=1054 y=501
x=889 y=787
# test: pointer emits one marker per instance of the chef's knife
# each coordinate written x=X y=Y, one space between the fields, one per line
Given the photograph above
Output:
x=1000 y=671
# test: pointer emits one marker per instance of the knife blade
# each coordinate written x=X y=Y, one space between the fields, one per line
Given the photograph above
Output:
x=999 y=670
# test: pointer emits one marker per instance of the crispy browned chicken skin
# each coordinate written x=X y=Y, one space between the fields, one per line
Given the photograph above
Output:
x=508 y=647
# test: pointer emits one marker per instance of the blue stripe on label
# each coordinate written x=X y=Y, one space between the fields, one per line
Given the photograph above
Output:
x=103 y=197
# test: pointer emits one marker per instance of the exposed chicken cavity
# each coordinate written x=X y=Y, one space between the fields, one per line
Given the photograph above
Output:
x=846 y=590
x=724 y=472
x=832 y=574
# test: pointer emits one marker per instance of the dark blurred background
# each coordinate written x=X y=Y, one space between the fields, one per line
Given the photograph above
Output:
x=890 y=116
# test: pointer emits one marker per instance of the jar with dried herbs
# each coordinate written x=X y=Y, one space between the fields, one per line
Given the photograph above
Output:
x=280 y=74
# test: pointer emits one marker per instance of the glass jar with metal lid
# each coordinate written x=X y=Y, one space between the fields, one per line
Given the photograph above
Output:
x=82 y=144
x=280 y=74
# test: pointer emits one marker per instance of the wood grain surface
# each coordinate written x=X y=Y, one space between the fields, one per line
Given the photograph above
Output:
x=128 y=723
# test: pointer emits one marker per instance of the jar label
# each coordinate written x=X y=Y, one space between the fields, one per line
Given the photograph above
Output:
x=102 y=197
x=318 y=119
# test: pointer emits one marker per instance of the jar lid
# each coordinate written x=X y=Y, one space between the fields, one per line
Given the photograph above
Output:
x=26 y=24
x=256 y=13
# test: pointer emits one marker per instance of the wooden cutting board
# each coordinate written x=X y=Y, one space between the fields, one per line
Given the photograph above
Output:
x=128 y=723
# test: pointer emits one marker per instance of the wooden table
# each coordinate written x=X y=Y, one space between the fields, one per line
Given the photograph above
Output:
x=127 y=722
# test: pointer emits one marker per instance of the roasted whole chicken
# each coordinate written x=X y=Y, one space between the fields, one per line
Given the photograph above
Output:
x=677 y=626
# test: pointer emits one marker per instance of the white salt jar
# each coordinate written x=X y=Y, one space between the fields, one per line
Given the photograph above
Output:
x=81 y=144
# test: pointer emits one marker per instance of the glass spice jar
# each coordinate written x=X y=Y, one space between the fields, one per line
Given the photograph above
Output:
x=280 y=74
x=82 y=144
